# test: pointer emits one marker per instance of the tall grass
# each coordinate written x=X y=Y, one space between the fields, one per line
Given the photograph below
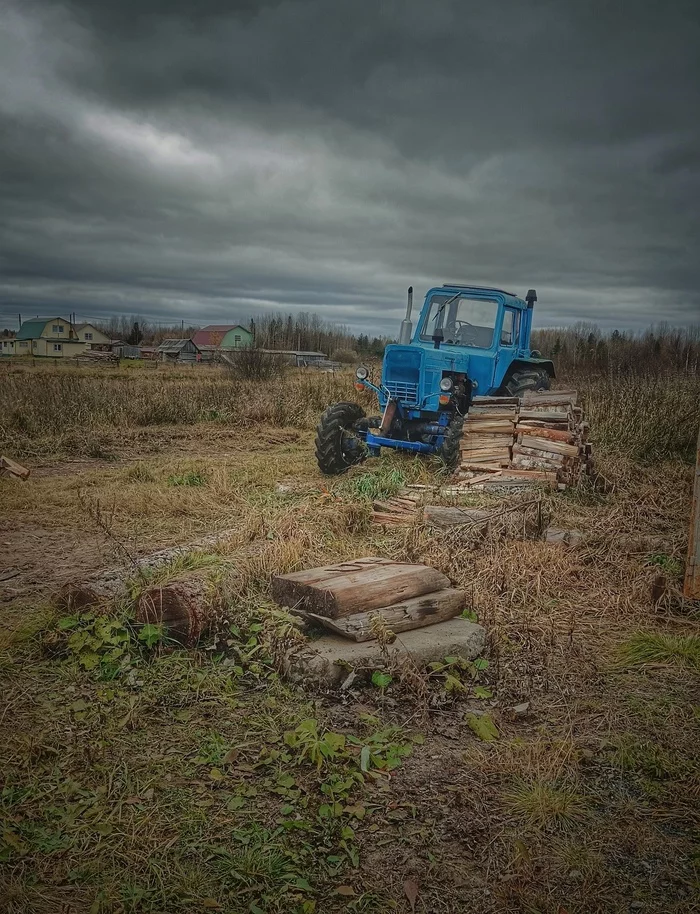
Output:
x=646 y=417
x=38 y=407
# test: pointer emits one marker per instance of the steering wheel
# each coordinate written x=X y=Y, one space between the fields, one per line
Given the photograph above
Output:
x=460 y=327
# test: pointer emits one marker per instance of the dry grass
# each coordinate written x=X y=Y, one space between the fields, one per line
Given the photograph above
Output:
x=170 y=785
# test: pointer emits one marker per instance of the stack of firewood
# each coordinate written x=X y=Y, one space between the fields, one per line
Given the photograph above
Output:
x=539 y=438
x=551 y=435
x=488 y=432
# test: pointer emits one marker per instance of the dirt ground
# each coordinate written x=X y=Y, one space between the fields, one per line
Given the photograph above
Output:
x=157 y=779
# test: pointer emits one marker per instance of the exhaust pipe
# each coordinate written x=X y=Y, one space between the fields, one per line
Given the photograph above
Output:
x=406 y=325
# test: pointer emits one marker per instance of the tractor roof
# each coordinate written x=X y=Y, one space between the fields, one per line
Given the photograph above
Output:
x=456 y=285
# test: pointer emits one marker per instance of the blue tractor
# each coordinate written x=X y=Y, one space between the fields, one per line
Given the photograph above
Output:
x=470 y=341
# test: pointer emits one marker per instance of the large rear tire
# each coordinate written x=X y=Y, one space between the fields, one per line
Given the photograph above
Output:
x=527 y=379
x=450 y=451
x=338 y=447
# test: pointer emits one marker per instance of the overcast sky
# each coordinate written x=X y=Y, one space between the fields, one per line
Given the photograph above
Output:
x=208 y=160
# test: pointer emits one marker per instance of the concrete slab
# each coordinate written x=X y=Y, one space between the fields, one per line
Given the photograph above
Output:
x=330 y=660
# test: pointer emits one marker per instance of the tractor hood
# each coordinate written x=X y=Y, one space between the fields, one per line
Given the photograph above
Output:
x=412 y=374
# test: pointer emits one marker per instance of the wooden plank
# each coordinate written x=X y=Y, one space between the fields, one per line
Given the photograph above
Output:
x=691 y=583
x=400 y=617
x=328 y=593
x=10 y=468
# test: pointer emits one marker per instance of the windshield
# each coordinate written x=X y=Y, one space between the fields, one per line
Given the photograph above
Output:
x=464 y=321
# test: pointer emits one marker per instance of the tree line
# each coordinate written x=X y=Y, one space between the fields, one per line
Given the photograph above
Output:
x=585 y=348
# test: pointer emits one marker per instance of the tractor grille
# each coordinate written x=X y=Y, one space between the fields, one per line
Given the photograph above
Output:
x=403 y=391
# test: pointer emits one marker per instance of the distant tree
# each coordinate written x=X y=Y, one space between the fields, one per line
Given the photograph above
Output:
x=135 y=336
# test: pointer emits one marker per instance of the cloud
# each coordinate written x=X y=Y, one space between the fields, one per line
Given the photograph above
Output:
x=212 y=161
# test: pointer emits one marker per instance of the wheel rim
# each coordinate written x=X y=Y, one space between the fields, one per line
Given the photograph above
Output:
x=350 y=446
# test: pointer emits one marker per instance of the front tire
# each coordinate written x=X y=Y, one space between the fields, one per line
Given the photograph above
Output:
x=451 y=448
x=338 y=446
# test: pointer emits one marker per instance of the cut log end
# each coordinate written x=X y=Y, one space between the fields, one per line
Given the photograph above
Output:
x=180 y=607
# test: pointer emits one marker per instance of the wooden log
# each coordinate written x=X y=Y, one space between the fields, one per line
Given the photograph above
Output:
x=11 y=468
x=334 y=593
x=445 y=516
x=496 y=401
x=106 y=586
x=540 y=443
x=522 y=461
x=560 y=535
x=185 y=608
x=552 y=434
x=474 y=426
x=521 y=449
x=544 y=416
x=401 y=617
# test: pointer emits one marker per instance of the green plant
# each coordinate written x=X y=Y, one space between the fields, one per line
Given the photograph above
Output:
x=545 y=805
x=189 y=478
x=378 y=485
x=309 y=744
x=651 y=647
x=667 y=563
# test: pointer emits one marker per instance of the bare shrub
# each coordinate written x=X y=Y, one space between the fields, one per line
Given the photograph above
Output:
x=346 y=356
x=251 y=364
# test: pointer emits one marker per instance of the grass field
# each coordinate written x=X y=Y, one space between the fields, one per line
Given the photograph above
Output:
x=141 y=778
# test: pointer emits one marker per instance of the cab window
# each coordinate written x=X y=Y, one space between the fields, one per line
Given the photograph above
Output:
x=509 y=330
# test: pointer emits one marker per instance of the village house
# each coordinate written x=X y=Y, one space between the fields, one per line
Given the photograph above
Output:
x=51 y=337
x=216 y=338
x=93 y=338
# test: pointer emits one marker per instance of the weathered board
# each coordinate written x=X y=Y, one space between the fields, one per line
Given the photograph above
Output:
x=336 y=591
x=401 y=617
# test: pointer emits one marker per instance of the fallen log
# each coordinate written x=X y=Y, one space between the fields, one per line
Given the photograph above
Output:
x=341 y=590
x=401 y=617
x=106 y=586
x=185 y=608
x=11 y=468
x=442 y=516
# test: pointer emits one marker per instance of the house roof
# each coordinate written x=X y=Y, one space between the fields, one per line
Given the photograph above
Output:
x=79 y=327
x=213 y=334
x=173 y=345
x=32 y=330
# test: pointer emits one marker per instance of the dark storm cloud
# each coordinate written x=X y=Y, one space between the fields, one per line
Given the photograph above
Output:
x=207 y=161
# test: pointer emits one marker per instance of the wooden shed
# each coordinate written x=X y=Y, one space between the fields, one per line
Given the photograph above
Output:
x=178 y=351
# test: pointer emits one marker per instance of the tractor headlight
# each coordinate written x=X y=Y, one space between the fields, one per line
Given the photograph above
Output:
x=362 y=373
x=446 y=384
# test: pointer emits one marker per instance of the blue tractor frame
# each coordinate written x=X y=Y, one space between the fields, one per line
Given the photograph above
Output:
x=430 y=377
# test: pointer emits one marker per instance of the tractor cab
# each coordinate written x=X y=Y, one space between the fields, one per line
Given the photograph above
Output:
x=465 y=333
x=468 y=341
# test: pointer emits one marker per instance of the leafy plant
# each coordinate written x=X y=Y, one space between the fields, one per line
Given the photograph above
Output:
x=309 y=744
x=381 y=680
x=482 y=725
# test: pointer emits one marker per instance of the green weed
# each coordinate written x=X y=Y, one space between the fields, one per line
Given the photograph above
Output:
x=545 y=805
x=652 y=647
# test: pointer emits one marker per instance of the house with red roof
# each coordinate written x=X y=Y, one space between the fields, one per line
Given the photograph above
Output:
x=217 y=337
